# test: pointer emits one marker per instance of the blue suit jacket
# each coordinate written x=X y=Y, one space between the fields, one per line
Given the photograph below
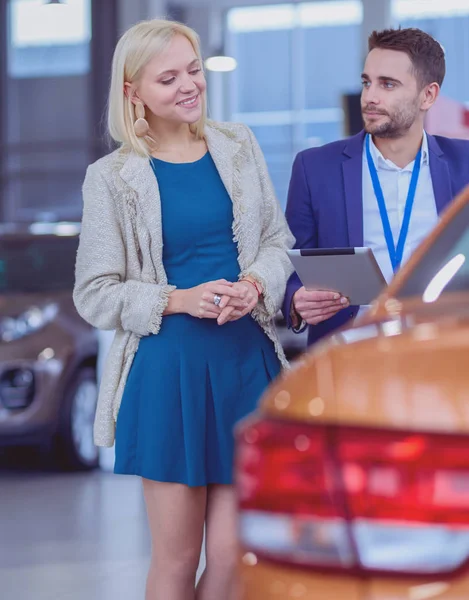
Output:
x=325 y=209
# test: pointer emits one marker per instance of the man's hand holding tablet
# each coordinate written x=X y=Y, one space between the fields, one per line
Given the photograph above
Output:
x=315 y=306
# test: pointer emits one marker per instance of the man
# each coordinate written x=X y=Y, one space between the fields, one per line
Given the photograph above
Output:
x=355 y=192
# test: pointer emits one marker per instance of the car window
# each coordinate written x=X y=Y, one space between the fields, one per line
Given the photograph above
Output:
x=445 y=266
x=39 y=264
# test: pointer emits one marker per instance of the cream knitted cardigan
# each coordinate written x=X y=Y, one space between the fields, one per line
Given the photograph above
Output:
x=121 y=283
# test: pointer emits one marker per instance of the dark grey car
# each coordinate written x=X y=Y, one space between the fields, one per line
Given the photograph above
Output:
x=48 y=354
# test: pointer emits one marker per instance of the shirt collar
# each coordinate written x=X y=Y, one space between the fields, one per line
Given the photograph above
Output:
x=383 y=163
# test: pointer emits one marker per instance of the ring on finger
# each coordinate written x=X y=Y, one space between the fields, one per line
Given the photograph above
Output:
x=216 y=300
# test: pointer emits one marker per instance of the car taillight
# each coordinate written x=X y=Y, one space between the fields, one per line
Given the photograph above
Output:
x=349 y=498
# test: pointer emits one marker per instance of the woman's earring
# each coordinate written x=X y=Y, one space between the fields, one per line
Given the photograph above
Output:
x=141 y=126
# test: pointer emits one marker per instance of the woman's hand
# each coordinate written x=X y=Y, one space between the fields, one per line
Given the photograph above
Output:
x=199 y=301
x=232 y=310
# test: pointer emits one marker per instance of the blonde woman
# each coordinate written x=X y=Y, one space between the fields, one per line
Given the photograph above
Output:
x=183 y=253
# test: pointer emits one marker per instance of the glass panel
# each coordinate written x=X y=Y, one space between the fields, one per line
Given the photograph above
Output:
x=327 y=80
x=261 y=18
x=263 y=77
x=49 y=40
x=25 y=264
x=292 y=74
x=48 y=106
x=445 y=267
x=447 y=22
x=434 y=9
x=329 y=27
x=276 y=142
x=322 y=133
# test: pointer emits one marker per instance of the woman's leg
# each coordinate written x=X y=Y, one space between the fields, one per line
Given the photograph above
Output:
x=219 y=579
x=176 y=515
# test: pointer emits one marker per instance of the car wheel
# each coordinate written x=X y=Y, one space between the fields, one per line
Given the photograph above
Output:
x=76 y=449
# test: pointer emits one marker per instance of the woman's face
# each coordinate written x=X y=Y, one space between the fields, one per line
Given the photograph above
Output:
x=172 y=84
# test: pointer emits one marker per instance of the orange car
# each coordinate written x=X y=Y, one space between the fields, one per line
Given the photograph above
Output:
x=353 y=475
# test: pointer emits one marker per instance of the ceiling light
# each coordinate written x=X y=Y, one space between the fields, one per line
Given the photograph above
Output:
x=221 y=63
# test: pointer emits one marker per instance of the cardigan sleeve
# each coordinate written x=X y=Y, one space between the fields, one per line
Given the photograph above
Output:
x=102 y=294
x=271 y=267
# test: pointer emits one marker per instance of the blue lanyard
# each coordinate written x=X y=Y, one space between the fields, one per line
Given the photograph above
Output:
x=395 y=254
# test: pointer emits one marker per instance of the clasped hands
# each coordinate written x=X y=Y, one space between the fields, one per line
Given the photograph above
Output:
x=236 y=299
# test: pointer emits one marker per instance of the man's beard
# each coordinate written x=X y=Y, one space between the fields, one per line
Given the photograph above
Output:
x=397 y=125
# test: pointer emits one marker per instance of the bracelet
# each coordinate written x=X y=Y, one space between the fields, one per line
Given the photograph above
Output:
x=254 y=283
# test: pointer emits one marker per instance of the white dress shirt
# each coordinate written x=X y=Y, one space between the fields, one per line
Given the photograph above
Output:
x=395 y=185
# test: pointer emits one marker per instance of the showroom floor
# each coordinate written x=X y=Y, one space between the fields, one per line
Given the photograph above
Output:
x=71 y=536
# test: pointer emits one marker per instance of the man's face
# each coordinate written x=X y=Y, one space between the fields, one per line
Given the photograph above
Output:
x=391 y=101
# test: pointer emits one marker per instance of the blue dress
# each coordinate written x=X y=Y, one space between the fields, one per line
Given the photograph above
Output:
x=192 y=382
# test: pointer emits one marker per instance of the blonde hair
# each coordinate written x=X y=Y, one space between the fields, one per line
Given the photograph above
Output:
x=135 y=49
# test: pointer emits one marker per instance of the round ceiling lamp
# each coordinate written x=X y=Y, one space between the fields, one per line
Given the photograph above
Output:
x=222 y=64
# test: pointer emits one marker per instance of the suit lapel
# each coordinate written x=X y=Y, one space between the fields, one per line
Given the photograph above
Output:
x=440 y=175
x=353 y=189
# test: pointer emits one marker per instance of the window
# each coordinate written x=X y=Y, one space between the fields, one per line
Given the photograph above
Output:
x=48 y=106
x=292 y=74
x=448 y=22
x=25 y=263
x=49 y=40
x=445 y=266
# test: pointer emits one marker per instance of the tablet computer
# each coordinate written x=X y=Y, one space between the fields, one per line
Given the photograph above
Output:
x=353 y=272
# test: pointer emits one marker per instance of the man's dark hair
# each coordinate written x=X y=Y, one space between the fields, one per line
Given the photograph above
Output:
x=426 y=54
